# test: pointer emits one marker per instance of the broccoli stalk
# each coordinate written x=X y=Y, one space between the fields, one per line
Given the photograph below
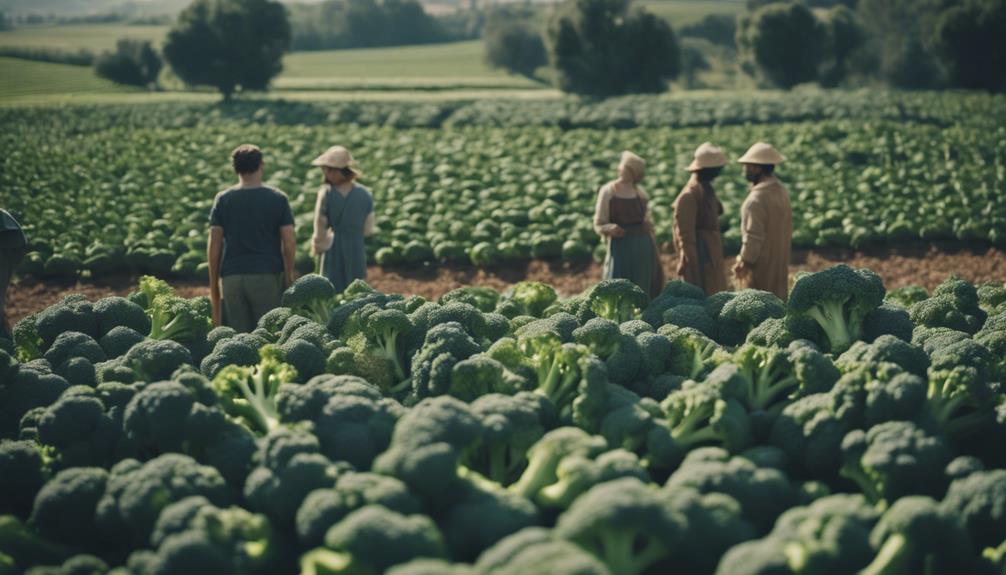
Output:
x=249 y=393
x=619 y=300
x=768 y=374
x=177 y=319
x=948 y=393
x=382 y=328
x=838 y=300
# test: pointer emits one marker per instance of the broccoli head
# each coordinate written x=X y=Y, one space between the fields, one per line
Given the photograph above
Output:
x=114 y=311
x=249 y=393
x=311 y=296
x=838 y=299
x=617 y=299
x=915 y=536
x=745 y=311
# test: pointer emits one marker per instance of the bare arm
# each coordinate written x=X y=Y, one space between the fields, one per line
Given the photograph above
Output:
x=323 y=237
x=288 y=245
x=214 y=252
x=368 y=225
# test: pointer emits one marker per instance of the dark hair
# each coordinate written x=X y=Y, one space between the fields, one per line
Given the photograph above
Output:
x=246 y=159
x=768 y=169
x=347 y=173
x=708 y=174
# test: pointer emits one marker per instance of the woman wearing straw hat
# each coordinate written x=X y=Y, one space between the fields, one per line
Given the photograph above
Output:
x=343 y=216
x=766 y=224
x=622 y=217
x=697 y=223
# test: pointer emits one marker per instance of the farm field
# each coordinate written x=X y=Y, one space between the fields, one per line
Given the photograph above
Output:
x=27 y=81
x=684 y=12
x=96 y=37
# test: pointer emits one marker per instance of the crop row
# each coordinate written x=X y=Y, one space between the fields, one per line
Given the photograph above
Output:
x=361 y=433
x=128 y=198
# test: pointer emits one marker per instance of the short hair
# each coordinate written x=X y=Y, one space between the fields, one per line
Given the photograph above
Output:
x=768 y=168
x=246 y=159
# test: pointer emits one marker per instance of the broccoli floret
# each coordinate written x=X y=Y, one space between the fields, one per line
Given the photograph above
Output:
x=914 y=536
x=147 y=289
x=577 y=473
x=625 y=419
x=445 y=345
x=80 y=432
x=483 y=516
x=76 y=565
x=113 y=312
x=894 y=459
x=887 y=349
x=535 y=551
x=483 y=298
x=480 y=375
x=356 y=429
x=617 y=299
x=430 y=567
x=838 y=299
x=468 y=316
x=810 y=433
x=715 y=524
x=547 y=453
x=290 y=466
x=119 y=340
x=907 y=296
x=427 y=446
x=888 y=320
x=249 y=393
x=769 y=374
x=383 y=329
x=311 y=296
x=178 y=319
x=155 y=360
x=371 y=540
x=23 y=471
x=512 y=425
x=72 y=313
x=27 y=343
x=991 y=296
x=323 y=508
x=304 y=402
x=240 y=350
x=979 y=501
x=692 y=354
x=620 y=352
x=23 y=548
x=194 y=533
x=675 y=292
x=625 y=523
x=692 y=315
x=782 y=332
x=960 y=391
x=710 y=412
x=220 y=333
x=73 y=344
x=875 y=393
x=532 y=298
x=763 y=493
x=561 y=324
x=33 y=385
x=743 y=312
x=65 y=507
x=136 y=493
x=78 y=371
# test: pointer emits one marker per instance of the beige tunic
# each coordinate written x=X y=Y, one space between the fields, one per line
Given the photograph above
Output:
x=692 y=225
x=767 y=230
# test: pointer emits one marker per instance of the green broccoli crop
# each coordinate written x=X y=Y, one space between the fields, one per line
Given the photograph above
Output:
x=73 y=313
x=482 y=515
x=536 y=551
x=371 y=540
x=23 y=471
x=114 y=311
x=512 y=425
x=838 y=299
x=743 y=312
x=545 y=456
x=979 y=501
x=119 y=340
x=914 y=536
x=445 y=345
x=692 y=315
x=531 y=298
x=907 y=296
x=73 y=344
x=65 y=508
x=960 y=390
x=482 y=298
x=885 y=349
x=625 y=523
x=617 y=299
x=311 y=296
x=155 y=360
x=249 y=393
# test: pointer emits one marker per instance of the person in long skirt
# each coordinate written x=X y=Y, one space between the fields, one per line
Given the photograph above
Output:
x=343 y=217
x=697 y=213
x=622 y=218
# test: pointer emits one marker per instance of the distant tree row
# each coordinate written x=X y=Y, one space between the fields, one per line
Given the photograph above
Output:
x=338 y=24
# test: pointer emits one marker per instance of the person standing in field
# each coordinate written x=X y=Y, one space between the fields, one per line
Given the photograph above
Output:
x=13 y=247
x=766 y=224
x=622 y=218
x=252 y=245
x=343 y=217
x=697 y=223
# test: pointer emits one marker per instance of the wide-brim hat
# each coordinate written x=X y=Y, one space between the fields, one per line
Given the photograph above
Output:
x=762 y=153
x=707 y=156
x=337 y=157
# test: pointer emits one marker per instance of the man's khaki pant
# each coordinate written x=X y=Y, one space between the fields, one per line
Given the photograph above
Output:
x=247 y=297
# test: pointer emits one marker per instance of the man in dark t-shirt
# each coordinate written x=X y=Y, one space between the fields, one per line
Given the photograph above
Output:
x=251 y=246
x=13 y=246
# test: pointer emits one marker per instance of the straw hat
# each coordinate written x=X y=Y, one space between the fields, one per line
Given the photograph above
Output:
x=707 y=156
x=337 y=157
x=762 y=153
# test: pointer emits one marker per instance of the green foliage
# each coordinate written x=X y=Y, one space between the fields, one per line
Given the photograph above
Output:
x=514 y=46
x=229 y=45
x=589 y=42
x=783 y=41
x=134 y=63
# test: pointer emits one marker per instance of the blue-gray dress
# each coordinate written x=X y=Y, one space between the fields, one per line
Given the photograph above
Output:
x=346 y=260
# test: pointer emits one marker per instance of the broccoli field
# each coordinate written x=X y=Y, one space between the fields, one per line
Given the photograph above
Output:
x=127 y=189
x=852 y=429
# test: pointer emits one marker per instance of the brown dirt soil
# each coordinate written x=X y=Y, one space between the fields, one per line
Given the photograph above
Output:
x=923 y=265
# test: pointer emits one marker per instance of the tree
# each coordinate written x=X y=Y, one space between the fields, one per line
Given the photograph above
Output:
x=514 y=46
x=782 y=42
x=971 y=39
x=901 y=33
x=229 y=44
x=134 y=63
x=601 y=48
x=844 y=40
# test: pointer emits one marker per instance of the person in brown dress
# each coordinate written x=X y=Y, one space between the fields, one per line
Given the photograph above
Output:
x=766 y=224
x=697 y=223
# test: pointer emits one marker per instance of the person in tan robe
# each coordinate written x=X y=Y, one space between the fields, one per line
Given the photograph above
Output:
x=697 y=213
x=766 y=225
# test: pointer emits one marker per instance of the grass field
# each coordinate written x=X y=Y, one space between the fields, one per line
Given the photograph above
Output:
x=72 y=38
x=25 y=81
x=682 y=12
